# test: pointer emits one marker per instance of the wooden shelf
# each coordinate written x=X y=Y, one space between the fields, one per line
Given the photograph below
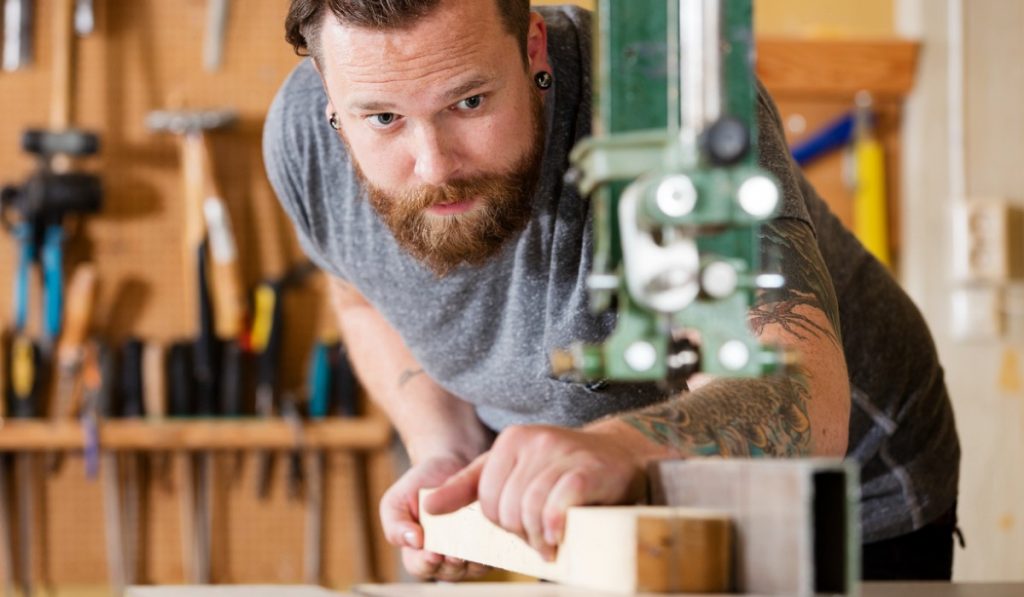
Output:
x=367 y=433
x=837 y=68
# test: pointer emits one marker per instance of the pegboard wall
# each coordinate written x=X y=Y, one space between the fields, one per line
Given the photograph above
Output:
x=146 y=55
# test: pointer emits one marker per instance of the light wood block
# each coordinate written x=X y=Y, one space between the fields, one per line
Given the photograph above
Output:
x=621 y=549
x=232 y=591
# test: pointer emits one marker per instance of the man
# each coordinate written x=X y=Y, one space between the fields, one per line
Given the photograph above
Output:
x=421 y=153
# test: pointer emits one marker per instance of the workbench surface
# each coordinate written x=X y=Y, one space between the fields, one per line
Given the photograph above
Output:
x=543 y=590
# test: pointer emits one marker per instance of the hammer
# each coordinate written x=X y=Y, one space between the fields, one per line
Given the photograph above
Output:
x=200 y=190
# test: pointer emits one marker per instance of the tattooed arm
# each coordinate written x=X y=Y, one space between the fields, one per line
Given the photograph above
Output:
x=804 y=412
x=533 y=474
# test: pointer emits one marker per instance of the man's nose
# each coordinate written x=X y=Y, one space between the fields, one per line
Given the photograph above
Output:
x=436 y=159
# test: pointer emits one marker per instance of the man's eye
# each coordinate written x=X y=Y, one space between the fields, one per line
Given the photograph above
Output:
x=471 y=103
x=384 y=119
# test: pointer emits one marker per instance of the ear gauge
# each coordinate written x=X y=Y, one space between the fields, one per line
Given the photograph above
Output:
x=544 y=80
x=333 y=121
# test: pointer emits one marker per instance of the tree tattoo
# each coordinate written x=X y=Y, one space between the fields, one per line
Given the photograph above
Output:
x=767 y=416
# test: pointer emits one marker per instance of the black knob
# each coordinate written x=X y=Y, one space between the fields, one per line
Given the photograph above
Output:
x=727 y=141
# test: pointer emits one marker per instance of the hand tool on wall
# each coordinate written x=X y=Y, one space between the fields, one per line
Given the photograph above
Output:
x=870 y=211
x=133 y=464
x=318 y=382
x=216 y=30
x=101 y=403
x=266 y=340
x=332 y=388
x=180 y=390
x=39 y=207
x=25 y=390
x=6 y=537
x=17 y=34
x=266 y=345
x=206 y=372
x=85 y=17
x=199 y=186
x=78 y=313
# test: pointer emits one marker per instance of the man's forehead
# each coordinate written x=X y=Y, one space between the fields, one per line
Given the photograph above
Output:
x=455 y=29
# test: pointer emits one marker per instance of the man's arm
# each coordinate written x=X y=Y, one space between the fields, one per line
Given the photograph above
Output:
x=441 y=433
x=533 y=474
x=803 y=413
x=431 y=422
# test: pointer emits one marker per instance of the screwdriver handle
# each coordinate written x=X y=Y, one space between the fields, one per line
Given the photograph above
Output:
x=131 y=379
x=24 y=378
x=343 y=382
x=319 y=381
x=179 y=380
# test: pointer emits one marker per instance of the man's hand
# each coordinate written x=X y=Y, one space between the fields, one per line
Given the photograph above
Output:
x=533 y=474
x=399 y=515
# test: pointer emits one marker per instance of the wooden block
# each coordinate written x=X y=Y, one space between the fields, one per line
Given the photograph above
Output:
x=796 y=520
x=622 y=549
x=232 y=591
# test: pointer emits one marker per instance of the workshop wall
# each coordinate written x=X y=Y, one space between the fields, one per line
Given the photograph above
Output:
x=965 y=140
x=146 y=55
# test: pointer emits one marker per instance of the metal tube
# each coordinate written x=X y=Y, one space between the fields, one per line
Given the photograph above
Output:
x=700 y=69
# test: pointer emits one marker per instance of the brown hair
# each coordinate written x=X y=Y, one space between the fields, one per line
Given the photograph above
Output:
x=302 y=26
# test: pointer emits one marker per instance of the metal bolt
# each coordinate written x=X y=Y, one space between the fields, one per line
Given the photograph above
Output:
x=758 y=196
x=676 y=196
x=734 y=355
x=640 y=356
x=719 y=279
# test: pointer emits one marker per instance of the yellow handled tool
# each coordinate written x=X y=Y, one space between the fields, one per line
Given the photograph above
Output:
x=870 y=210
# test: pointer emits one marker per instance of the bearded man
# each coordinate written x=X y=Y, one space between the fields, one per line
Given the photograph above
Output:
x=420 y=153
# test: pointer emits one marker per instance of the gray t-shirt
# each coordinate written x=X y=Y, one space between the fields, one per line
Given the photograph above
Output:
x=484 y=333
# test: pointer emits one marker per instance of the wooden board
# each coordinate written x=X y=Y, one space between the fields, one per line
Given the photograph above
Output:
x=622 y=549
x=233 y=591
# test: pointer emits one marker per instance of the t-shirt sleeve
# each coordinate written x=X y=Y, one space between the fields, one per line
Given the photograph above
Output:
x=774 y=156
x=288 y=151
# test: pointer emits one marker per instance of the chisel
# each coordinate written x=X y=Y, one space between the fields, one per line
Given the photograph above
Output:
x=345 y=390
x=319 y=385
x=6 y=538
x=133 y=464
x=99 y=380
x=216 y=29
x=266 y=344
x=78 y=312
x=25 y=387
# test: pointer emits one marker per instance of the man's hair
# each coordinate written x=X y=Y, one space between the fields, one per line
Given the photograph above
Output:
x=305 y=17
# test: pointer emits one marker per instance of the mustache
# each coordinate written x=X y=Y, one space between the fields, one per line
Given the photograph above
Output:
x=456 y=191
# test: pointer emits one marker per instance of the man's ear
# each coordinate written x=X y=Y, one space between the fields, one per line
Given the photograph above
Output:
x=537 y=44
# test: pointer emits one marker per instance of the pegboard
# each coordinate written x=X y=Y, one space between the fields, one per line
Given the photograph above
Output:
x=146 y=55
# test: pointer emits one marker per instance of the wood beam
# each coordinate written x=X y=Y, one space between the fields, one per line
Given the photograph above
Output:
x=622 y=549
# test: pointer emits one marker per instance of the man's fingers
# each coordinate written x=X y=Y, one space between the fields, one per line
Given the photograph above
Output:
x=534 y=499
x=452 y=570
x=421 y=564
x=570 y=490
x=399 y=525
x=458 y=491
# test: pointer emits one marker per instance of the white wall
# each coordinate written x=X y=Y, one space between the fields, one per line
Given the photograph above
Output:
x=970 y=86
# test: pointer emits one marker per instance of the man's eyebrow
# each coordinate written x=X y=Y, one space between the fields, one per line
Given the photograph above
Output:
x=372 y=106
x=451 y=95
x=461 y=91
